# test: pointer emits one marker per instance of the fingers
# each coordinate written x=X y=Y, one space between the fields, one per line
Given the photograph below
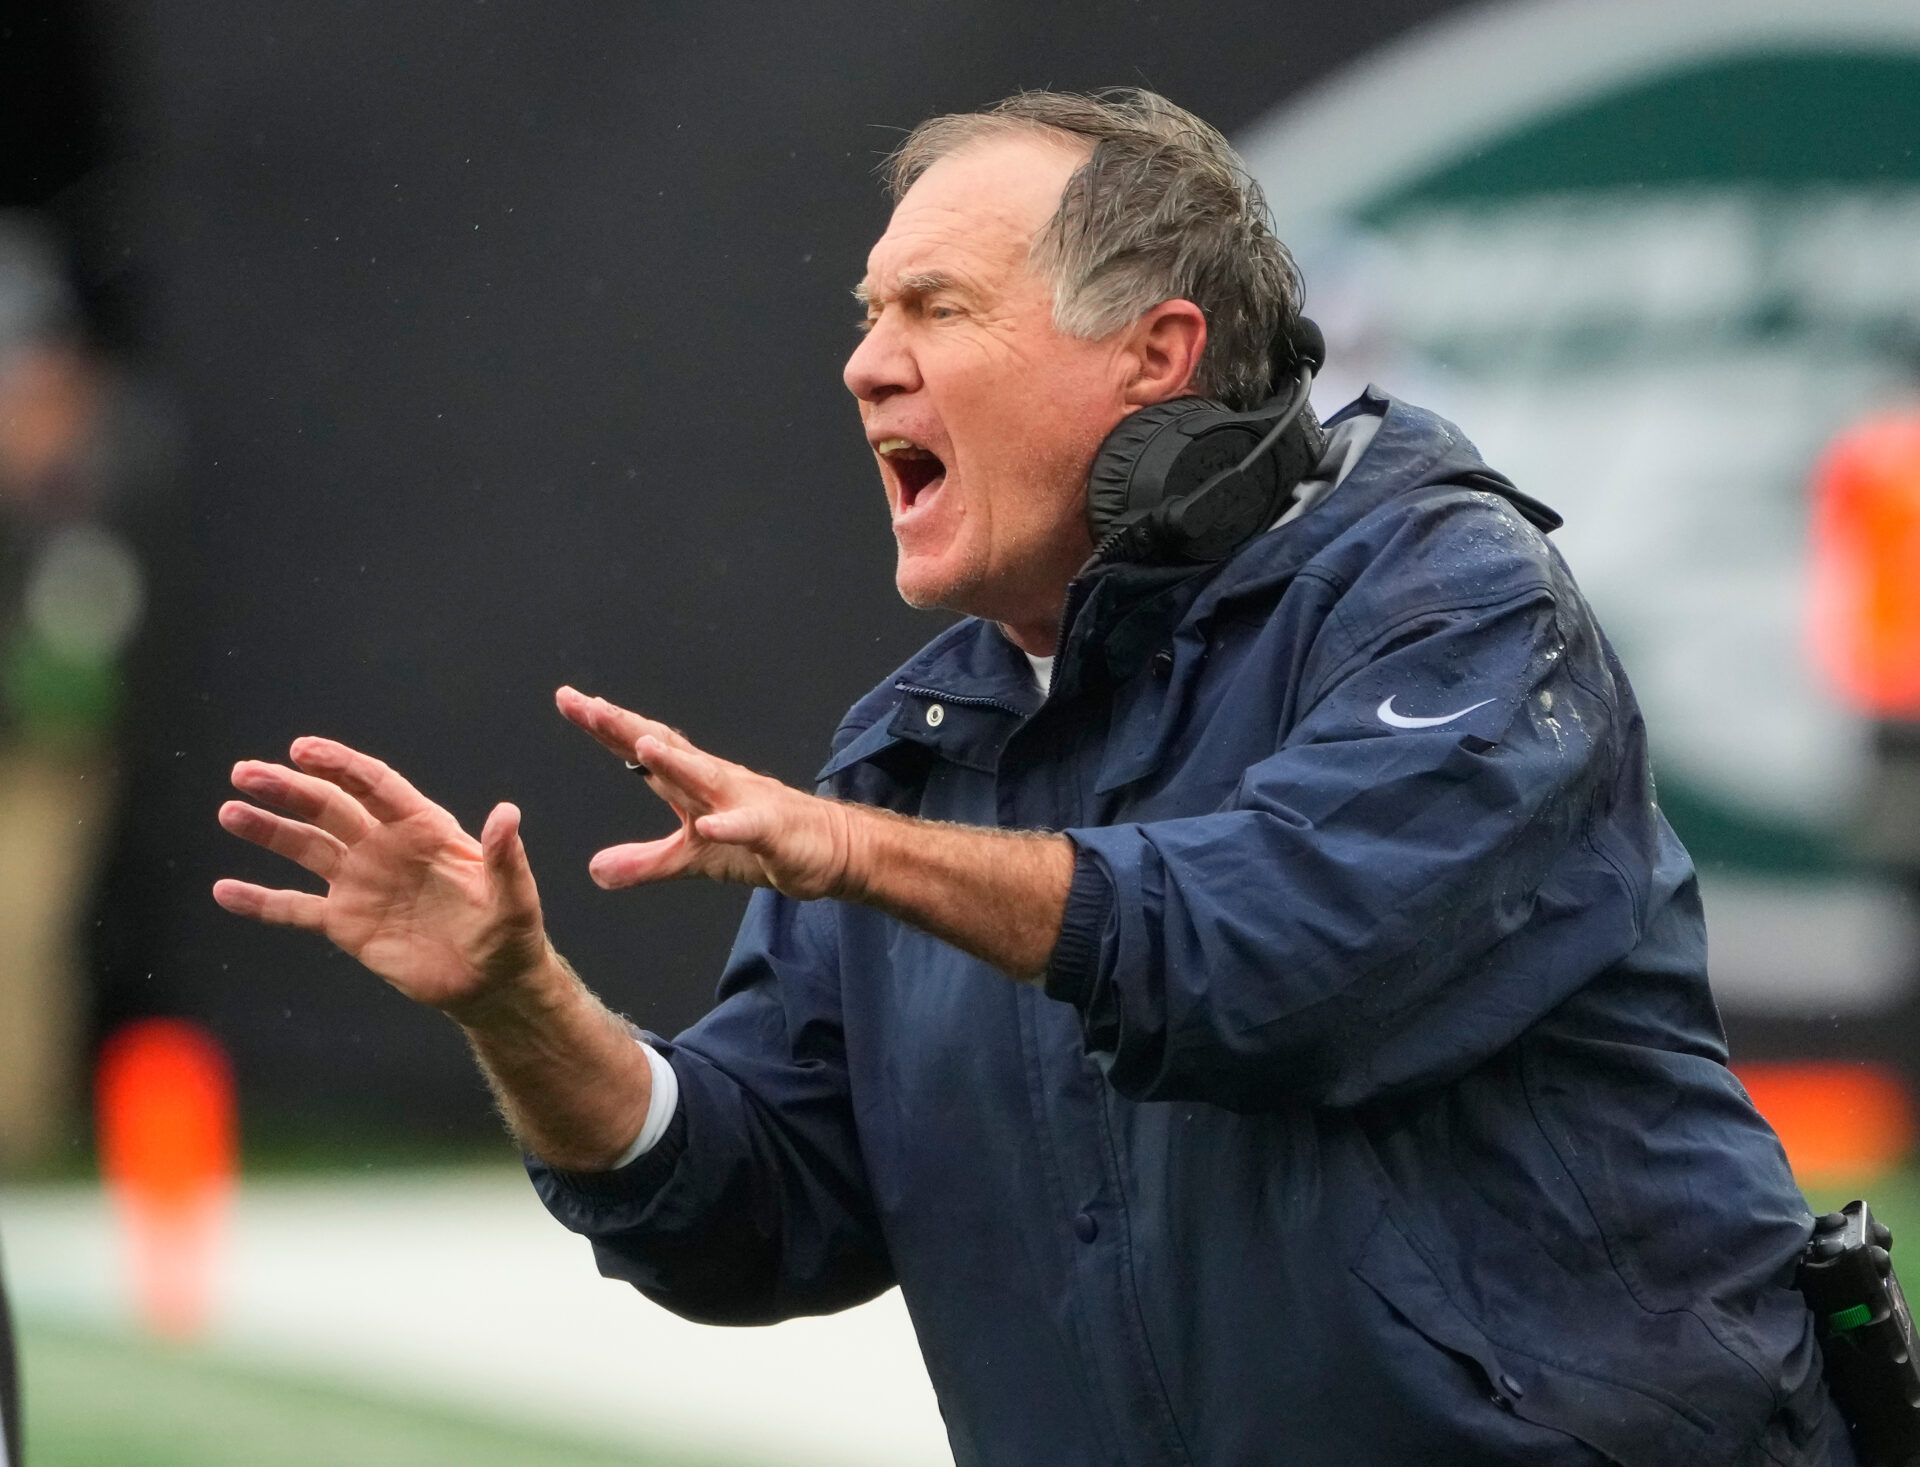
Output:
x=617 y=729
x=506 y=858
x=596 y=716
x=384 y=793
x=312 y=800
x=641 y=862
x=725 y=803
x=281 y=908
x=684 y=776
x=689 y=779
x=738 y=827
x=316 y=850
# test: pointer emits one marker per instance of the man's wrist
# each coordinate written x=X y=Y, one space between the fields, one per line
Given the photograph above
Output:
x=863 y=837
x=548 y=987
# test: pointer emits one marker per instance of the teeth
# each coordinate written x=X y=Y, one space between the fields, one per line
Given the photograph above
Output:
x=900 y=445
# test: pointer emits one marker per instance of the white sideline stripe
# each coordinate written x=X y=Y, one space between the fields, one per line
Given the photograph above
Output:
x=459 y=1286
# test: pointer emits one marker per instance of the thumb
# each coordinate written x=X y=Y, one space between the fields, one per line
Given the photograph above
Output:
x=506 y=858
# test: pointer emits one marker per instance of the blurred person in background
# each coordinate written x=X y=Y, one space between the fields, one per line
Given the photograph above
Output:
x=70 y=599
x=1252 y=1006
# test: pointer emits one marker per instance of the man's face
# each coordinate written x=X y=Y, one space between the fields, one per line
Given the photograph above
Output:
x=983 y=417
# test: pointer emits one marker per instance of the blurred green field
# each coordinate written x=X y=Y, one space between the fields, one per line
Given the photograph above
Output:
x=1895 y=1200
x=94 y=1400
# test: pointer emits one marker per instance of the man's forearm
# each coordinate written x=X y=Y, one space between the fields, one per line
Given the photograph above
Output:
x=570 y=1080
x=997 y=894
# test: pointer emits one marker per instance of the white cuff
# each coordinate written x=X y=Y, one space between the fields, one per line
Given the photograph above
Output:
x=660 y=1108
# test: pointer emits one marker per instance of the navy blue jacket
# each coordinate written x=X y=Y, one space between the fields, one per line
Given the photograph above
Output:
x=1375 y=1109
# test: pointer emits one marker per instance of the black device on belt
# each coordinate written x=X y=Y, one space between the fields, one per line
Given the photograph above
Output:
x=1865 y=1333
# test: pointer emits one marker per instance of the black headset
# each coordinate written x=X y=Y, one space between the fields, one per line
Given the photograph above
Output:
x=1191 y=480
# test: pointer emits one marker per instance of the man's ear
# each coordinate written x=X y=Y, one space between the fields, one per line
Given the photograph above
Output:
x=1164 y=350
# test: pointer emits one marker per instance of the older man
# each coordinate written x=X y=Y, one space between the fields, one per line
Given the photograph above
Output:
x=1253 y=1009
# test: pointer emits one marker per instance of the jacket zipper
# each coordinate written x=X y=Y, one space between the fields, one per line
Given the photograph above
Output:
x=965 y=700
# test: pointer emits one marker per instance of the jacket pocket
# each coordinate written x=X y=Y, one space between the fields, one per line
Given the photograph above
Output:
x=1633 y=1425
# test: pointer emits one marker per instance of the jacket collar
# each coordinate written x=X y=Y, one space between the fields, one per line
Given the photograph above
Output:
x=1119 y=616
x=972 y=663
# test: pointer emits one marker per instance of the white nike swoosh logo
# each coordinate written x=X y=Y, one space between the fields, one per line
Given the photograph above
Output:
x=1401 y=720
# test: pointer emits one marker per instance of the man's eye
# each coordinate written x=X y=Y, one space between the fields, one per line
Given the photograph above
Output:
x=938 y=312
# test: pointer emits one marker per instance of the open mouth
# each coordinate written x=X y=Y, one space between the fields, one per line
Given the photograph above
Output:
x=916 y=471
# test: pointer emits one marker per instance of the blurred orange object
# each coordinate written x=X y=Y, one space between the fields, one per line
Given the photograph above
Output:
x=168 y=1148
x=1866 y=610
x=1840 y=1121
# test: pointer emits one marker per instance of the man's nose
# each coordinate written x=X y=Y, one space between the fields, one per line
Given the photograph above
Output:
x=881 y=364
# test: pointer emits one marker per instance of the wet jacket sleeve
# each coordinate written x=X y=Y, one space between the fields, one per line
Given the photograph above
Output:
x=1373 y=907
x=754 y=1206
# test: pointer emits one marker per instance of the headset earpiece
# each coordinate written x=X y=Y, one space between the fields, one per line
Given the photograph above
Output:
x=1180 y=441
x=1191 y=479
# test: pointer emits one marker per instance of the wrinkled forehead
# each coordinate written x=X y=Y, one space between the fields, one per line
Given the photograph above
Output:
x=974 y=213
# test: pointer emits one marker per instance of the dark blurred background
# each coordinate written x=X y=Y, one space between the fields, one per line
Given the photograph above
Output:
x=399 y=363
x=501 y=348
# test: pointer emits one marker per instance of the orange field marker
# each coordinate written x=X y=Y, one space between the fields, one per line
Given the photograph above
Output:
x=1866 y=588
x=168 y=1147
x=1840 y=1121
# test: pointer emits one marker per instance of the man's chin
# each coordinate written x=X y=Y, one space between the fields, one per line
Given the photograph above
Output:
x=922 y=600
x=931 y=588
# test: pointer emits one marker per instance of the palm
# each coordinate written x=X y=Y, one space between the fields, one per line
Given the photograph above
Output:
x=437 y=914
x=413 y=903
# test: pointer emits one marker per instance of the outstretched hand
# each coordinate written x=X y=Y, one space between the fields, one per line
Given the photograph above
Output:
x=446 y=919
x=735 y=825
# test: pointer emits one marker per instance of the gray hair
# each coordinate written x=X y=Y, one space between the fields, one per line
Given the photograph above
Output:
x=1163 y=209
